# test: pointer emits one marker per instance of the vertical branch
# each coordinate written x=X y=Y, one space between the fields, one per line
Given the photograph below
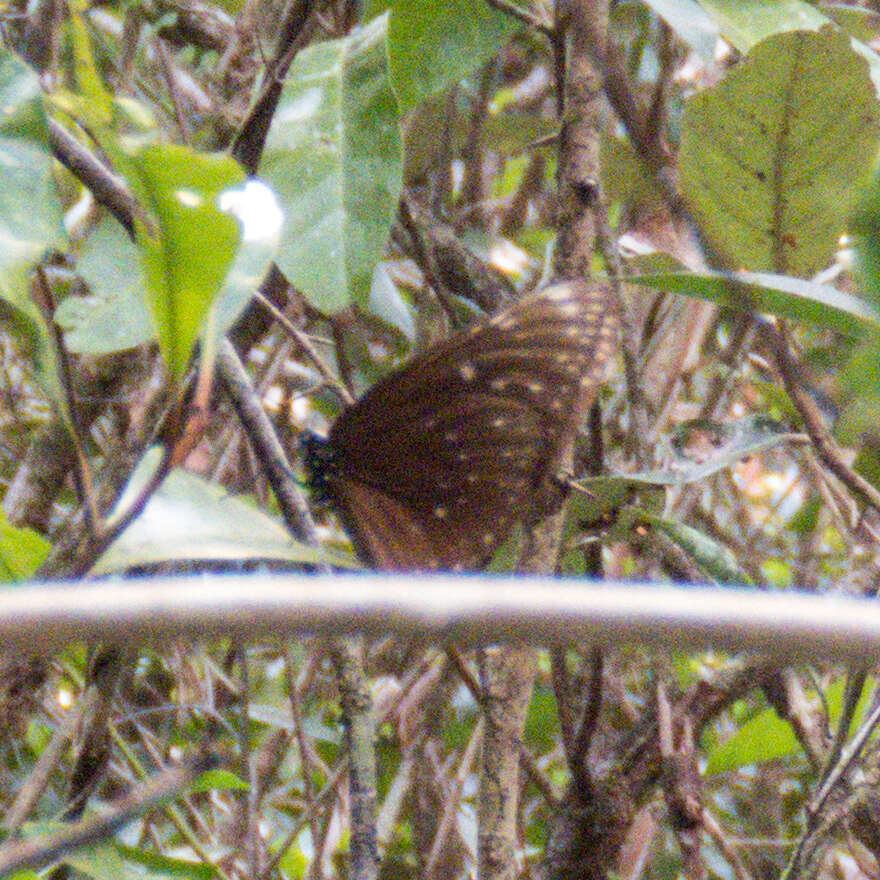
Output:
x=357 y=711
x=579 y=137
x=507 y=689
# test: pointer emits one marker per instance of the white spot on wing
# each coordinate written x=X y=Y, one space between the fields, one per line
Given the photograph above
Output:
x=467 y=371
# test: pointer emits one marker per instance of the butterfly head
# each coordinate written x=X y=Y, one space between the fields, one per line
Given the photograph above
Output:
x=319 y=460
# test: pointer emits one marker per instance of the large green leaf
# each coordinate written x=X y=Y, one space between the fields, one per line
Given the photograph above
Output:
x=744 y=23
x=190 y=518
x=333 y=155
x=819 y=304
x=187 y=242
x=770 y=156
x=30 y=215
x=432 y=44
x=114 y=316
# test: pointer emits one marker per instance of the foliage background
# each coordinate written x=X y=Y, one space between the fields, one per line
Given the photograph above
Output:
x=414 y=170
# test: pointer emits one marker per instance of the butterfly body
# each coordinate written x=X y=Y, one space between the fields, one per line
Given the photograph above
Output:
x=436 y=463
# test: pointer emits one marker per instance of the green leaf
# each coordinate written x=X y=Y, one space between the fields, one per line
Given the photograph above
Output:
x=165 y=866
x=819 y=304
x=699 y=448
x=100 y=861
x=767 y=737
x=770 y=155
x=744 y=23
x=30 y=214
x=432 y=44
x=865 y=227
x=22 y=551
x=719 y=562
x=115 y=316
x=98 y=101
x=190 y=518
x=333 y=155
x=218 y=780
x=542 y=722
x=187 y=243
x=764 y=738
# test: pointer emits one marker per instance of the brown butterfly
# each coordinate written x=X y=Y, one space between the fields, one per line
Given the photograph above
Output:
x=434 y=466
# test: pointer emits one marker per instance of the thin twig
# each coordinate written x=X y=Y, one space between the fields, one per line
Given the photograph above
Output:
x=39 y=852
x=823 y=443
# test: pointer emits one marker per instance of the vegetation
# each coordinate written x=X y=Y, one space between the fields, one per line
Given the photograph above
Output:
x=221 y=223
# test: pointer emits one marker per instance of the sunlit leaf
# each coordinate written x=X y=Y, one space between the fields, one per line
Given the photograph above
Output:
x=22 y=551
x=187 y=243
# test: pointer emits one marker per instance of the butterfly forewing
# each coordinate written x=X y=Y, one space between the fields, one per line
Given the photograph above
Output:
x=438 y=461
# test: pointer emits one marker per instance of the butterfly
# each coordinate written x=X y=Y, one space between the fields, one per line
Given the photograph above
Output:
x=438 y=462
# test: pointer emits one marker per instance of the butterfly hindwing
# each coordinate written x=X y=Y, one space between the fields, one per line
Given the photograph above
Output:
x=437 y=462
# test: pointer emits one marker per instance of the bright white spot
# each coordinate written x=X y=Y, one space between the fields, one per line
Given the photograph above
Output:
x=256 y=207
x=557 y=293
x=440 y=512
x=499 y=422
x=535 y=387
x=302 y=108
x=64 y=698
x=272 y=398
x=467 y=371
x=188 y=197
x=75 y=218
x=508 y=258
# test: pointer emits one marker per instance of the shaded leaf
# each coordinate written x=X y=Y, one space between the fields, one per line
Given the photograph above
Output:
x=30 y=215
x=432 y=44
x=719 y=562
x=819 y=304
x=190 y=518
x=770 y=155
x=333 y=155
x=115 y=316
x=699 y=449
x=165 y=866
